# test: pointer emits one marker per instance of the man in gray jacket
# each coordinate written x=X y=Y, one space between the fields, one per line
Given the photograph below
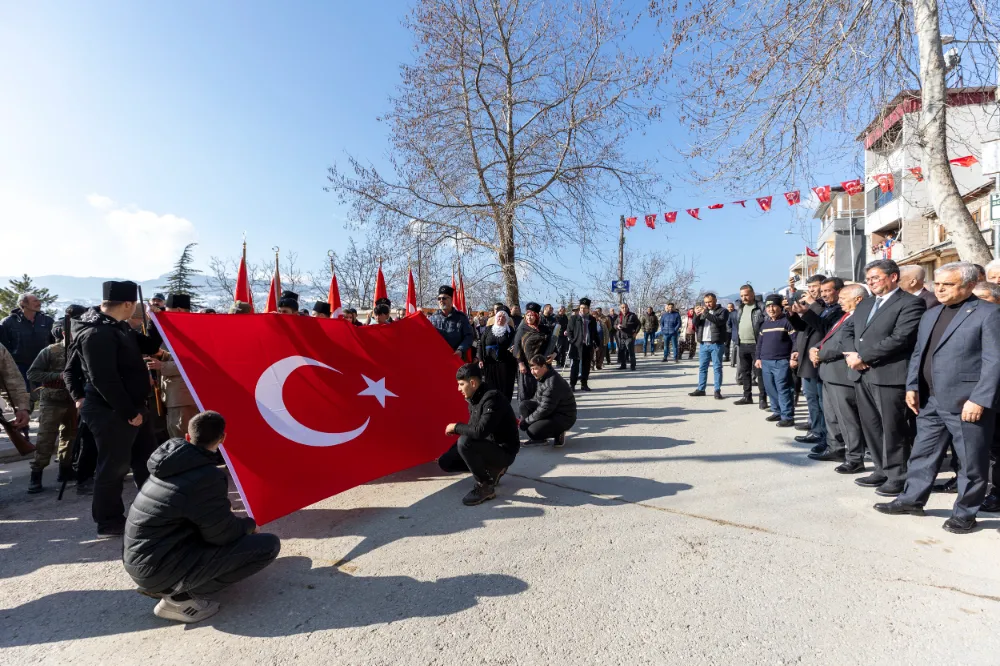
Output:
x=746 y=328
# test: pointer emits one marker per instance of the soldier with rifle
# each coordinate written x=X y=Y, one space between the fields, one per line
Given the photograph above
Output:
x=57 y=413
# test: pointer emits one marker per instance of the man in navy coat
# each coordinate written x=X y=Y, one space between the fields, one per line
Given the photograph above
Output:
x=952 y=386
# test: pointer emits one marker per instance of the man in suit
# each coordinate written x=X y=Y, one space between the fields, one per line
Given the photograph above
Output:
x=952 y=387
x=583 y=338
x=878 y=342
x=911 y=280
x=845 y=438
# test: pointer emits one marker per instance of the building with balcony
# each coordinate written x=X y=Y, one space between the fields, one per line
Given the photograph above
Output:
x=841 y=243
x=900 y=223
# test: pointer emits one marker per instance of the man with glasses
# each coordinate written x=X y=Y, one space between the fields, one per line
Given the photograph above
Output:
x=877 y=341
x=453 y=325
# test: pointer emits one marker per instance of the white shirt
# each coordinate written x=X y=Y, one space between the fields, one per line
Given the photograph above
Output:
x=706 y=335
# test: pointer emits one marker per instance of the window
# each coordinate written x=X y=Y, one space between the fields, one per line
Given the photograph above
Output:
x=942 y=234
x=977 y=216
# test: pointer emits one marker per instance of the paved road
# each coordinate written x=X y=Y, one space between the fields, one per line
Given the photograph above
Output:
x=669 y=530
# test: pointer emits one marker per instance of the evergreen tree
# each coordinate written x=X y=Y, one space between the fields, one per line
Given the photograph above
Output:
x=180 y=280
x=24 y=285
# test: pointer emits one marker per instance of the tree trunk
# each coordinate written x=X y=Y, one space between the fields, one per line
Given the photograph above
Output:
x=933 y=133
x=505 y=255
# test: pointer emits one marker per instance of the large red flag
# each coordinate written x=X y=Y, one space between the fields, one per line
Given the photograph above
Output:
x=411 y=295
x=380 y=290
x=316 y=406
x=333 y=298
x=243 y=292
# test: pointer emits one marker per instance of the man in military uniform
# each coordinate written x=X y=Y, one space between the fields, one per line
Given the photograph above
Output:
x=584 y=338
x=453 y=325
x=321 y=310
x=114 y=408
x=57 y=413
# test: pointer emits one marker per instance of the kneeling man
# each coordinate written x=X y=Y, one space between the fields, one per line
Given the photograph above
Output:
x=488 y=443
x=182 y=539
x=553 y=411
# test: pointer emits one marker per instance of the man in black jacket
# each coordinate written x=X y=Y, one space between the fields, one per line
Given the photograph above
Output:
x=746 y=329
x=182 y=539
x=710 y=331
x=553 y=412
x=114 y=409
x=584 y=339
x=488 y=443
x=627 y=327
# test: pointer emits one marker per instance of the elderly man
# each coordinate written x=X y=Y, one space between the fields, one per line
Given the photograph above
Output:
x=952 y=386
x=993 y=271
x=988 y=292
x=710 y=325
x=453 y=325
x=911 y=280
x=26 y=332
x=746 y=330
x=627 y=327
x=878 y=342
x=584 y=338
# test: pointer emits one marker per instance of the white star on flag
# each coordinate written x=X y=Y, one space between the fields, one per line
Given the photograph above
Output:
x=377 y=390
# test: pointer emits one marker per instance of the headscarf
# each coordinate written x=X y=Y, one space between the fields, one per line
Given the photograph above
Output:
x=498 y=328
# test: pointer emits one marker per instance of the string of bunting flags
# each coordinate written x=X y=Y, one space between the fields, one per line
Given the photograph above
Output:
x=885 y=181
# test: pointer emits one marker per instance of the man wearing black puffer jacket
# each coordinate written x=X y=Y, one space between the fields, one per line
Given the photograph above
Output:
x=553 y=411
x=182 y=539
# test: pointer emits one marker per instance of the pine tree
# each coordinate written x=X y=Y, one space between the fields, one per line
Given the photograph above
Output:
x=179 y=281
x=24 y=285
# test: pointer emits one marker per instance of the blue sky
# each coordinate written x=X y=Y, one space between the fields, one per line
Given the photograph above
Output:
x=131 y=128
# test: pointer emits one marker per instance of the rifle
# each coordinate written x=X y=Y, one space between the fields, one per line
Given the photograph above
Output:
x=21 y=443
x=157 y=395
x=66 y=465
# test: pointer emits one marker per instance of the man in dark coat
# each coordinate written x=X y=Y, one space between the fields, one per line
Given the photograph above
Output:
x=182 y=539
x=453 y=325
x=531 y=338
x=117 y=385
x=554 y=410
x=562 y=344
x=627 y=327
x=488 y=443
x=584 y=339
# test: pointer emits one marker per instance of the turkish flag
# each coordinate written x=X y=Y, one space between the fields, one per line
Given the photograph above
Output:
x=764 y=203
x=918 y=173
x=651 y=221
x=822 y=193
x=333 y=298
x=380 y=290
x=411 y=295
x=793 y=198
x=885 y=181
x=966 y=161
x=630 y=222
x=275 y=293
x=693 y=212
x=810 y=252
x=243 y=292
x=316 y=406
x=853 y=186
x=459 y=301
x=670 y=217
x=715 y=207
x=742 y=202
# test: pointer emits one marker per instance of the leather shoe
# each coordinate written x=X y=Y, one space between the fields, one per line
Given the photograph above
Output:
x=803 y=426
x=808 y=439
x=772 y=418
x=897 y=508
x=949 y=486
x=763 y=405
x=819 y=448
x=871 y=481
x=584 y=388
x=744 y=401
x=693 y=394
x=889 y=489
x=786 y=423
x=991 y=504
x=718 y=395
x=957 y=525
x=830 y=456
x=850 y=468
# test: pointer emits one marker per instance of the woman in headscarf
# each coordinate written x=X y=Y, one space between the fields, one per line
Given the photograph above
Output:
x=495 y=357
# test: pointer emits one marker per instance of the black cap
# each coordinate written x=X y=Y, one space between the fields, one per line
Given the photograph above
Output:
x=290 y=294
x=383 y=301
x=533 y=307
x=585 y=301
x=125 y=290
x=445 y=290
x=322 y=307
x=288 y=303
x=776 y=299
x=182 y=301
x=158 y=296
x=304 y=313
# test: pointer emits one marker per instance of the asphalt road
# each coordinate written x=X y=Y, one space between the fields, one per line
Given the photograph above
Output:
x=670 y=530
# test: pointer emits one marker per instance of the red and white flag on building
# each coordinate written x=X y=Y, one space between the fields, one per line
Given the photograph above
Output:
x=822 y=193
x=917 y=172
x=314 y=407
x=966 y=161
x=885 y=181
x=651 y=221
x=764 y=203
x=810 y=252
x=411 y=295
x=670 y=217
x=793 y=197
x=693 y=212
x=853 y=186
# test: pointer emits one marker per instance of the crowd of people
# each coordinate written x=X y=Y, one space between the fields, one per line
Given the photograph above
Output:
x=892 y=373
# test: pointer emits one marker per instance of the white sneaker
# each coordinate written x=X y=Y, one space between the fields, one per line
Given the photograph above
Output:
x=191 y=610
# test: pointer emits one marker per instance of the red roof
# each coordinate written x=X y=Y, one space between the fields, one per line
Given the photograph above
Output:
x=908 y=101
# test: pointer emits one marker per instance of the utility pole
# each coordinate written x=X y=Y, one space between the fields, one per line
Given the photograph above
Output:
x=621 y=256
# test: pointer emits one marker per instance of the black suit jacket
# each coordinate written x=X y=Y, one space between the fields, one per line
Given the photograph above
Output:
x=812 y=325
x=928 y=297
x=575 y=331
x=832 y=366
x=885 y=343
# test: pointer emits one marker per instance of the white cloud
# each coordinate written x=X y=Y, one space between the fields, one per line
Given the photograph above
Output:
x=97 y=238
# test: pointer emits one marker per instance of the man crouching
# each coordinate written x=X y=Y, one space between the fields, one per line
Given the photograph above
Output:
x=182 y=539
x=488 y=443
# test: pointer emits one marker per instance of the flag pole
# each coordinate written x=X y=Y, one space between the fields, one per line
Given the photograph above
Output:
x=277 y=275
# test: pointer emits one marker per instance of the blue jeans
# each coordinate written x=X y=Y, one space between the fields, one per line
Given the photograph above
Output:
x=813 y=388
x=671 y=339
x=648 y=343
x=780 y=388
x=710 y=351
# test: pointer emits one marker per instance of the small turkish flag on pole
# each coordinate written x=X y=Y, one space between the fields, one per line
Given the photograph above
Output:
x=793 y=197
x=918 y=173
x=316 y=406
x=822 y=193
x=764 y=203
x=693 y=212
x=243 y=292
x=885 y=181
x=810 y=252
x=853 y=186
x=670 y=217
x=275 y=293
x=411 y=295
x=966 y=161
x=651 y=221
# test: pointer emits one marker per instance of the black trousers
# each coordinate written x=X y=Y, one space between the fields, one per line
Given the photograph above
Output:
x=725 y=350
x=219 y=567
x=995 y=455
x=749 y=374
x=562 y=346
x=526 y=385
x=480 y=456
x=841 y=401
x=887 y=429
x=626 y=352
x=580 y=366
x=936 y=429
x=120 y=446
x=544 y=428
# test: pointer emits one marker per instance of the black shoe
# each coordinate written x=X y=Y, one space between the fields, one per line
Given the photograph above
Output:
x=959 y=525
x=560 y=440
x=108 y=531
x=763 y=405
x=773 y=417
x=35 y=483
x=621 y=367
x=696 y=394
x=808 y=439
x=850 y=468
x=897 y=508
x=786 y=423
x=871 y=481
x=949 y=486
x=992 y=503
x=573 y=388
x=499 y=475
x=584 y=388
x=85 y=487
x=744 y=401
x=890 y=489
x=830 y=456
x=804 y=426
x=819 y=448
x=479 y=494
x=536 y=442
x=718 y=395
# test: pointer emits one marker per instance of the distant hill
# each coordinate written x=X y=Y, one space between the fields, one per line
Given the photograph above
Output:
x=87 y=290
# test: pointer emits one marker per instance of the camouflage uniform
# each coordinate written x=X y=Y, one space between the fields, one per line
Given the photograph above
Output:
x=179 y=401
x=12 y=382
x=57 y=415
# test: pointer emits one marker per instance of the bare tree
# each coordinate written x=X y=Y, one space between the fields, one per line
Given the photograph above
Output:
x=222 y=271
x=765 y=86
x=659 y=278
x=510 y=126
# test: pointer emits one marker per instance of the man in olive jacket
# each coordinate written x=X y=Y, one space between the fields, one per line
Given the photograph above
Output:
x=182 y=539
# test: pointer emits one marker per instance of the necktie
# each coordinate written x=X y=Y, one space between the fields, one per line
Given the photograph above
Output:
x=834 y=329
x=871 y=315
